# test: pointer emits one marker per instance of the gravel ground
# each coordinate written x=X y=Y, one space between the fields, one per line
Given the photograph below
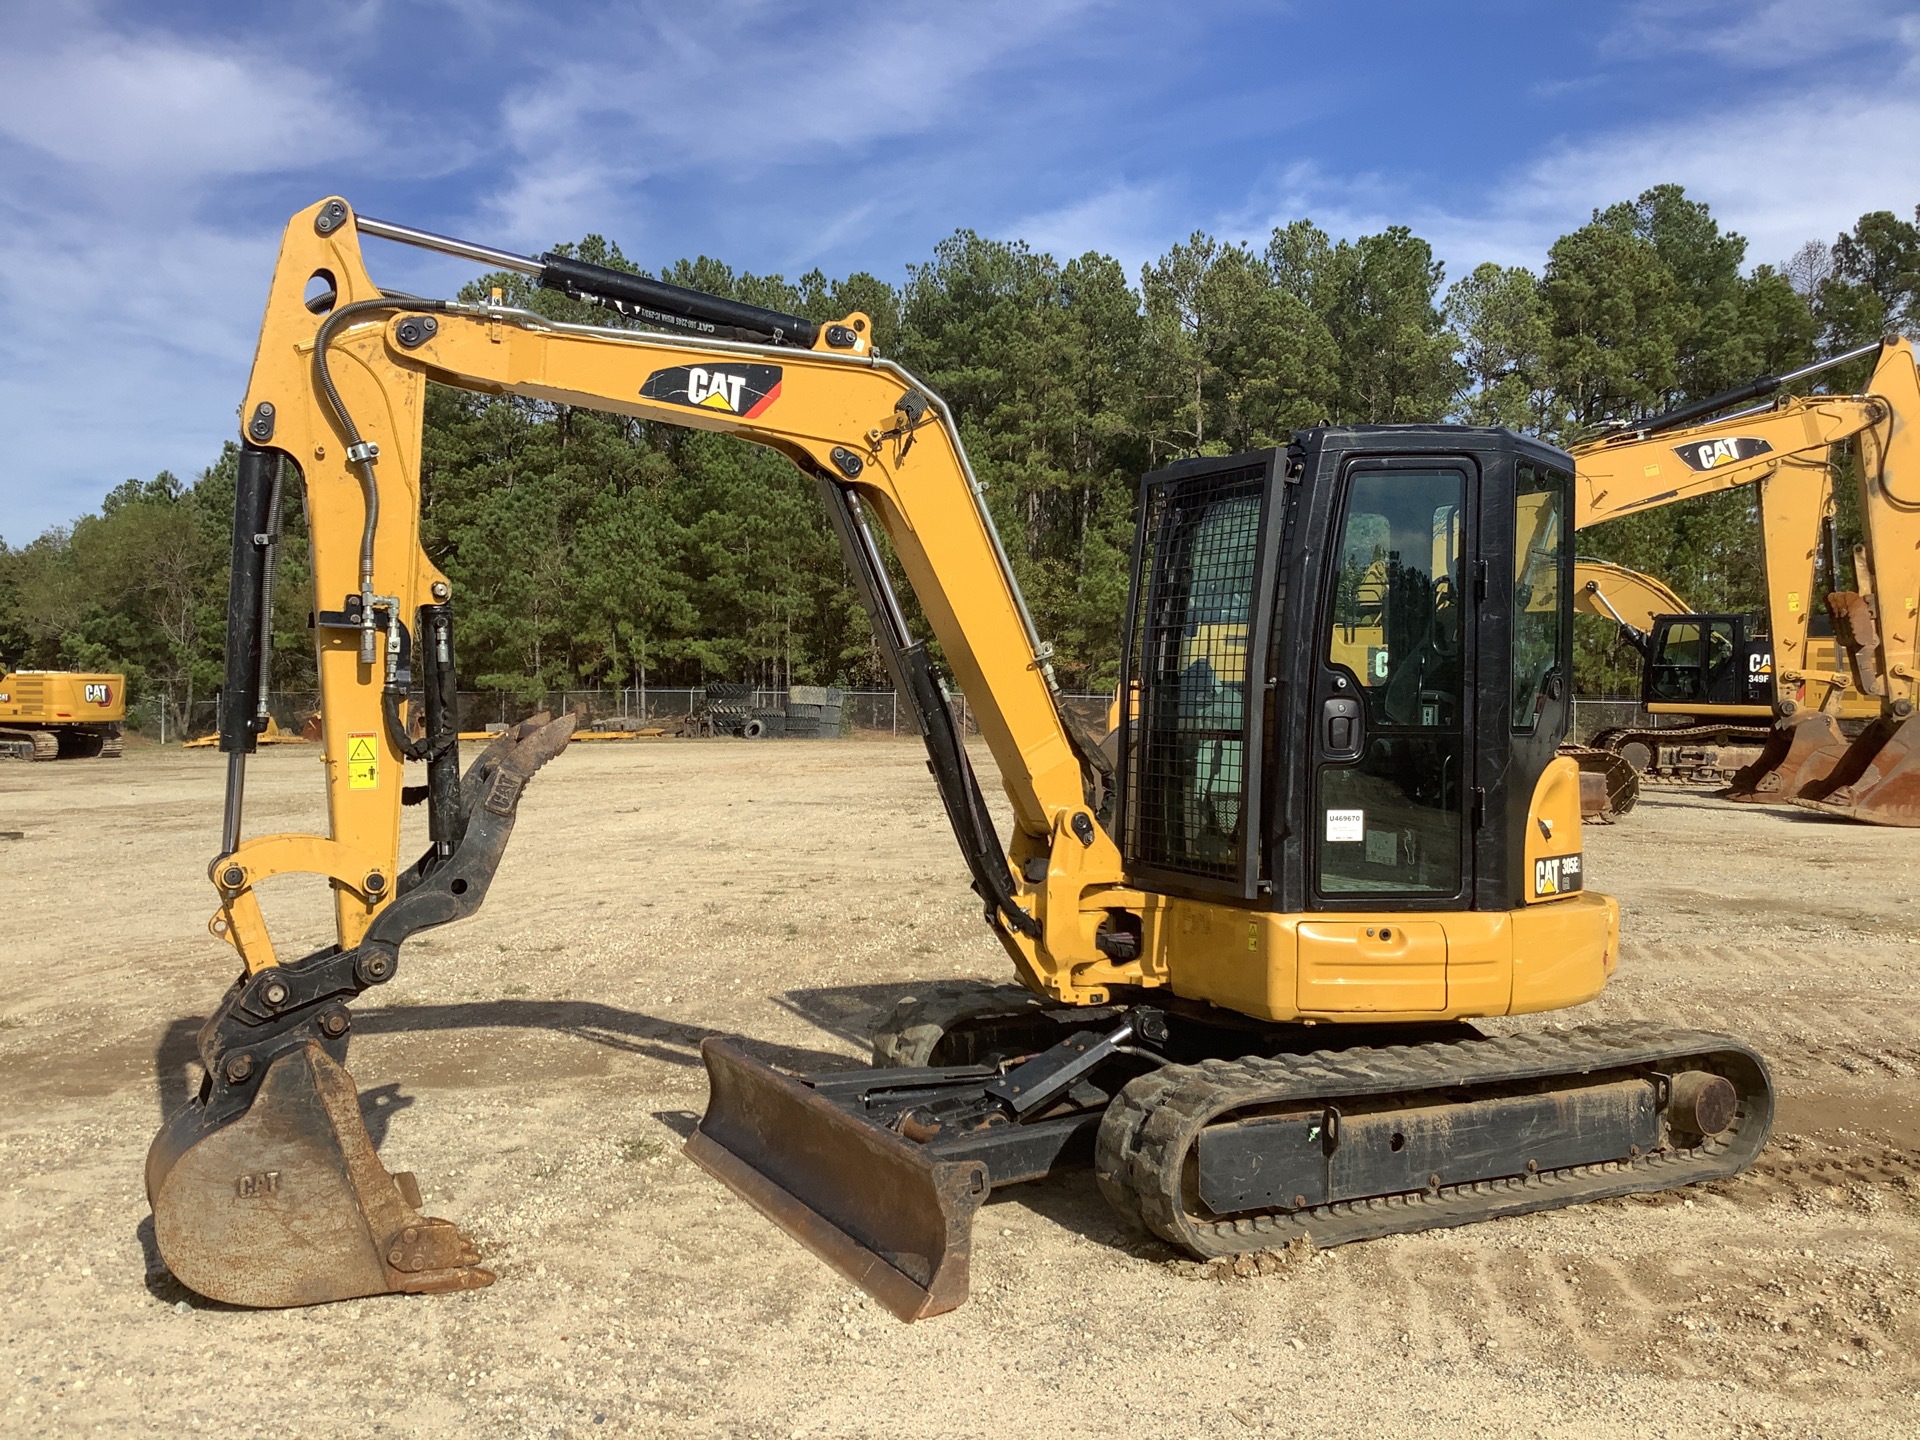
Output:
x=537 y=1065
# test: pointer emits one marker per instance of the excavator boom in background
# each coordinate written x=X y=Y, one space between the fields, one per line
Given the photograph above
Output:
x=1868 y=672
x=1249 y=953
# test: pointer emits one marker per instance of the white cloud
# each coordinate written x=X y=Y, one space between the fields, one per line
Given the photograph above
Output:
x=1125 y=221
x=1792 y=163
x=1780 y=172
x=725 y=93
x=1772 y=35
x=155 y=111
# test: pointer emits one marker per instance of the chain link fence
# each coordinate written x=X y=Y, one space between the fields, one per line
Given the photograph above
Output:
x=1590 y=717
x=864 y=713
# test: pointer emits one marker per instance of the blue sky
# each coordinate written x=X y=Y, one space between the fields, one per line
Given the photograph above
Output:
x=149 y=155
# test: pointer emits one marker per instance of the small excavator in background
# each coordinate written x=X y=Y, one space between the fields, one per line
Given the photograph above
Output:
x=60 y=714
x=1250 y=953
x=1871 y=671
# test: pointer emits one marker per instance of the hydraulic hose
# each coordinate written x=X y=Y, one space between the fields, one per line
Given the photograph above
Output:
x=359 y=453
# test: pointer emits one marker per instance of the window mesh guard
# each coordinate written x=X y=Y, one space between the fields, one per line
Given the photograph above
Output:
x=1187 y=787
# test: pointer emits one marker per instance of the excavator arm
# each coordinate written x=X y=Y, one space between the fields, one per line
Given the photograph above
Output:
x=337 y=394
x=1626 y=597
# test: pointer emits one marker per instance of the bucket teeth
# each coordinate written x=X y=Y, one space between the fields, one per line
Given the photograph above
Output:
x=1799 y=752
x=1877 y=780
x=288 y=1204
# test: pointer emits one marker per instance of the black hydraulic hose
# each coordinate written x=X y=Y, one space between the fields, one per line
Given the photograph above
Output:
x=357 y=454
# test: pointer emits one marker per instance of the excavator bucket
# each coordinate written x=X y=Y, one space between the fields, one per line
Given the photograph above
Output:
x=1799 y=752
x=265 y=1187
x=289 y=1205
x=894 y=1219
x=1609 y=785
x=1877 y=780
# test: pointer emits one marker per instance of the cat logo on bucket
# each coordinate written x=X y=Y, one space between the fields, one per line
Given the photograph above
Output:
x=742 y=390
x=1710 y=454
x=99 y=694
x=1556 y=875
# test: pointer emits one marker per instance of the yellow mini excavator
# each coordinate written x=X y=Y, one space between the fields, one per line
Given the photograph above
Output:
x=1250 y=953
x=1707 y=668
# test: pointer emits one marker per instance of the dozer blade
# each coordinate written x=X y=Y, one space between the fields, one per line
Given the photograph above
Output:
x=289 y=1205
x=881 y=1210
x=1799 y=752
x=1877 y=780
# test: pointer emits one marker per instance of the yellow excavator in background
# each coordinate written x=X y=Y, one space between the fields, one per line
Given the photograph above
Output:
x=1250 y=952
x=60 y=714
x=1712 y=673
x=1785 y=449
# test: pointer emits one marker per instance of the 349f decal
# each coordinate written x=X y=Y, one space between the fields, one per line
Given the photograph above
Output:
x=742 y=390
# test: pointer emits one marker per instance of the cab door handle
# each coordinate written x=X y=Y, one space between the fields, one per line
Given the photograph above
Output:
x=1340 y=728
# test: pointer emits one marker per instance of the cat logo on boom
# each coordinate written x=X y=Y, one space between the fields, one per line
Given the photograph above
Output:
x=740 y=390
x=1709 y=454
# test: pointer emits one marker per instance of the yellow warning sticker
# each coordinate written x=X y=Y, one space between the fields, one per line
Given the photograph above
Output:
x=363 y=762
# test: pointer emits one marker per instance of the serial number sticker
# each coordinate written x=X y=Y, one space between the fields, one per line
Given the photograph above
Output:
x=1346 y=825
x=363 y=762
x=1557 y=875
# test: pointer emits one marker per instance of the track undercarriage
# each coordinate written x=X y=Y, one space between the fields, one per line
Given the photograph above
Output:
x=1219 y=1135
x=70 y=742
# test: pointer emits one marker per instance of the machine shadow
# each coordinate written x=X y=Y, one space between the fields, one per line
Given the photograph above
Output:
x=849 y=1012
x=176 y=1055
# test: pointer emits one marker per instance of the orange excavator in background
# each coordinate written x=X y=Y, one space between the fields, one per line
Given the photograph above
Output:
x=1871 y=672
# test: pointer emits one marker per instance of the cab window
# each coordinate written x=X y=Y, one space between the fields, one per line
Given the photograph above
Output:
x=1539 y=614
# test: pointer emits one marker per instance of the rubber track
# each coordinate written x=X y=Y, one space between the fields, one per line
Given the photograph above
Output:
x=1152 y=1124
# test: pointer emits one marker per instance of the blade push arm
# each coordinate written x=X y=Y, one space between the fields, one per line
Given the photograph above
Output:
x=882 y=447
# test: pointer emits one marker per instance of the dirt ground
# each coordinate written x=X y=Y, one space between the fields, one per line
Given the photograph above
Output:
x=537 y=1065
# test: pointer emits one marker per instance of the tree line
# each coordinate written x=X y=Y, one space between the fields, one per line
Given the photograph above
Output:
x=591 y=549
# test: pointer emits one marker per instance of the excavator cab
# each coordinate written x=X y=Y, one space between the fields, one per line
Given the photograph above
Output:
x=1352 y=660
x=1706 y=665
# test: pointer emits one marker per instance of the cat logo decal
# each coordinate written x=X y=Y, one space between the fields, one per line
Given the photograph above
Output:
x=740 y=390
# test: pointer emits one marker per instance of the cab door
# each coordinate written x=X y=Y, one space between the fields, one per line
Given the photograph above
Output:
x=1393 y=720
